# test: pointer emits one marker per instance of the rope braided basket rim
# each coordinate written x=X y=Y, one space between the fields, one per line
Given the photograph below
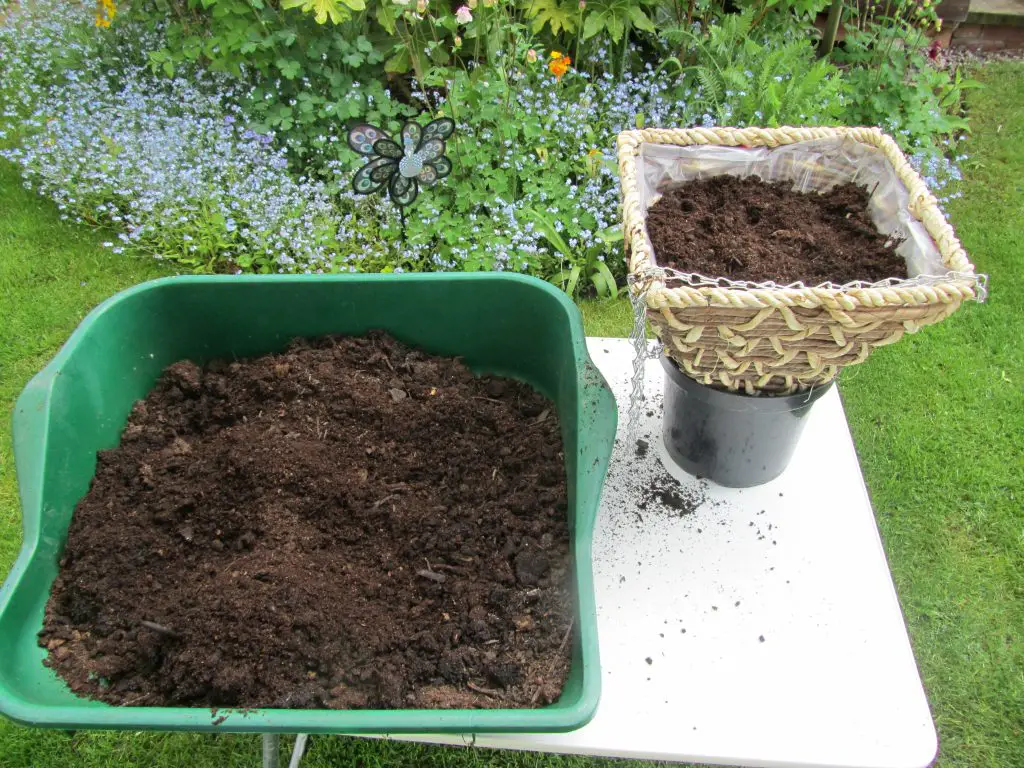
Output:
x=781 y=339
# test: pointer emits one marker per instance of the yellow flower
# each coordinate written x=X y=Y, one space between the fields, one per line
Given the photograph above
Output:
x=106 y=10
x=559 y=64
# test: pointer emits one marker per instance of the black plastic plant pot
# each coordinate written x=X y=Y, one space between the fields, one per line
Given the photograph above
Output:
x=736 y=440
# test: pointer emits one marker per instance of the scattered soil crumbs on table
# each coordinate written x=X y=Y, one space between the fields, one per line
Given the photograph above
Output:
x=348 y=524
x=748 y=229
x=675 y=498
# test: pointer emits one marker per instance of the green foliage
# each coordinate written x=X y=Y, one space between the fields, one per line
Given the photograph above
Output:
x=781 y=12
x=674 y=16
x=893 y=83
x=337 y=10
x=516 y=183
x=585 y=273
x=875 y=15
x=615 y=18
x=768 y=79
x=557 y=15
x=807 y=9
x=308 y=76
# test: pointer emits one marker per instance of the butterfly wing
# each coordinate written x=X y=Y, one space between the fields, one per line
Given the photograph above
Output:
x=363 y=136
x=430 y=150
x=403 y=190
x=441 y=128
x=411 y=133
x=374 y=175
x=435 y=171
x=428 y=176
x=387 y=148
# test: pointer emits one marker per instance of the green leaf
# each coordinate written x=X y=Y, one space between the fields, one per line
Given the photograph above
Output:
x=574 y=279
x=553 y=14
x=364 y=45
x=440 y=57
x=493 y=42
x=289 y=68
x=616 y=27
x=567 y=279
x=324 y=9
x=386 y=17
x=399 y=63
x=609 y=279
x=640 y=20
x=547 y=228
x=593 y=24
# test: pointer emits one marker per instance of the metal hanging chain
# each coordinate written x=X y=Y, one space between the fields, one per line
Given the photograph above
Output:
x=641 y=352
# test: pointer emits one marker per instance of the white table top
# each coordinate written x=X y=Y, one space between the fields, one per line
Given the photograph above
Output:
x=761 y=630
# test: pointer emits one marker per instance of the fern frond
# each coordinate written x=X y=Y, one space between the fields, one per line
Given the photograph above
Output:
x=714 y=89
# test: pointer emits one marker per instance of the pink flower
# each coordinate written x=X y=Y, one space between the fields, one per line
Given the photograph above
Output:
x=462 y=15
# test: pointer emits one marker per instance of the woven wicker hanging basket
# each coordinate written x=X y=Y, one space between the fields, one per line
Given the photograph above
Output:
x=763 y=338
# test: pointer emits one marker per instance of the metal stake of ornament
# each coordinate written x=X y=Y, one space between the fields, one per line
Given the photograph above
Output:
x=401 y=164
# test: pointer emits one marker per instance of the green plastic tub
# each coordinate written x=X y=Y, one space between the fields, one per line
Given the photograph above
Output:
x=503 y=324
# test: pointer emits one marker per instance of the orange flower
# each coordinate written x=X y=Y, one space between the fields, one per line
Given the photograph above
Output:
x=559 y=64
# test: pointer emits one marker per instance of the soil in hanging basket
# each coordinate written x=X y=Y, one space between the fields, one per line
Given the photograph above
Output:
x=749 y=229
x=349 y=524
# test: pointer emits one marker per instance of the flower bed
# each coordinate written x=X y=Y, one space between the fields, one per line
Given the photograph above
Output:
x=223 y=157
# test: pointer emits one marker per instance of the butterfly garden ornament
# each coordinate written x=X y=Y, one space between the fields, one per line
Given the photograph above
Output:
x=402 y=165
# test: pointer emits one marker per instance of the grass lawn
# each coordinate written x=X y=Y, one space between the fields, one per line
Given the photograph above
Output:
x=938 y=421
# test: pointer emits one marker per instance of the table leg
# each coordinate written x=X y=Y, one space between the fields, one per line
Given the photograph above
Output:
x=271 y=750
x=299 y=750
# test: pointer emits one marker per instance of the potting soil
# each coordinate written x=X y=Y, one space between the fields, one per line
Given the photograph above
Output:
x=748 y=229
x=349 y=524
